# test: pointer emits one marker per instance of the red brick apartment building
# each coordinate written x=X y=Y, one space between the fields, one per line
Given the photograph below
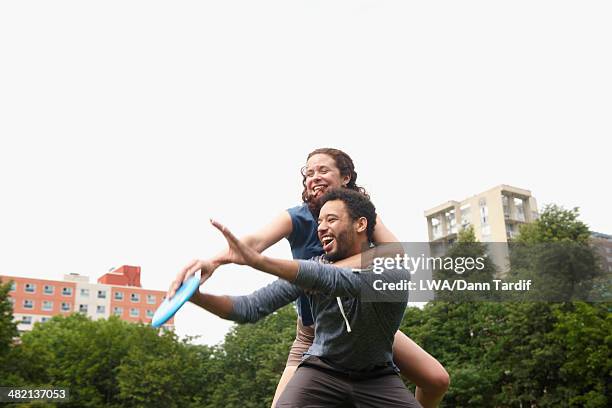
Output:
x=117 y=292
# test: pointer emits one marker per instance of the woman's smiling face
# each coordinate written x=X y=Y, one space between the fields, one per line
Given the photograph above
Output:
x=321 y=174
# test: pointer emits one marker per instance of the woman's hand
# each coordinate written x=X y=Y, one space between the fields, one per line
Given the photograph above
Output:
x=206 y=267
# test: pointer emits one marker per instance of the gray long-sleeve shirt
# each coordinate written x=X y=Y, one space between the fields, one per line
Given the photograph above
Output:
x=373 y=323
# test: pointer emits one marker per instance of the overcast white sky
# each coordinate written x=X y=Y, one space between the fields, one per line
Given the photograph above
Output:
x=125 y=125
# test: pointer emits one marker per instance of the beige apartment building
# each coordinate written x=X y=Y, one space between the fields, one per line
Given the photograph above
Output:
x=495 y=215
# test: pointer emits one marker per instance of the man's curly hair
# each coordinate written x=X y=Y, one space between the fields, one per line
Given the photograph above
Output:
x=357 y=204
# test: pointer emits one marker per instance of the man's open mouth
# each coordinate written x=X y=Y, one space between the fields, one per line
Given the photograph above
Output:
x=327 y=242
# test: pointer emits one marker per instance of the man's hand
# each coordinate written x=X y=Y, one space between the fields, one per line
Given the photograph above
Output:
x=206 y=267
x=238 y=252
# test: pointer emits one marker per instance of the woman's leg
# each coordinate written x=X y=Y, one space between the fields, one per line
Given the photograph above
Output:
x=422 y=369
x=282 y=383
x=304 y=335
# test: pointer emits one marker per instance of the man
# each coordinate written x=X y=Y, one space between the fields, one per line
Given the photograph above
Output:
x=350 y=360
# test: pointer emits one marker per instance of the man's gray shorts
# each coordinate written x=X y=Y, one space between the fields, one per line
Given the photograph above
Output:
x=317 y=384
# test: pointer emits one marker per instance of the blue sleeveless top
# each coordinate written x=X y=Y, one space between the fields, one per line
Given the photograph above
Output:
x=305 y=244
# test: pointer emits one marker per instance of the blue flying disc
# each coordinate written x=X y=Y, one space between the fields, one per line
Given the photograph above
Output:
x=169 y=306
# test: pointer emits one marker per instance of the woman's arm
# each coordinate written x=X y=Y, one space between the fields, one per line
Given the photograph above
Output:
x=382 y=235
x=279 y=228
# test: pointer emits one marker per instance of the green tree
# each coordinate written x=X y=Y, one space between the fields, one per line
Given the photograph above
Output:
x=554 y=252
x=8 y=332
x=252 y=359
x=583 y=334
x=176 y=375
x=461 y=335
x=465 y=249
x=113 y=363
x=555 y=224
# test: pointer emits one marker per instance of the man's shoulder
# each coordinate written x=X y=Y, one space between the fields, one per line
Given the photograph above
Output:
x=320 y=259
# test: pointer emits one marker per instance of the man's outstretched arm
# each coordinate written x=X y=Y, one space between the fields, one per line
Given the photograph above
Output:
x=221 y=306
x=250 y=308
x=307 y=275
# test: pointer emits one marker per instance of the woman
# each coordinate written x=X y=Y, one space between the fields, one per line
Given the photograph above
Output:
x=326 y=169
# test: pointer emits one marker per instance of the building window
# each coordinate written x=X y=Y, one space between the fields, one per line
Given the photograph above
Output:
x=436 y=228
x=26 y=319
x=28 y=304
x=44 y=319
x=506 y=206
x=84 y=292
x=47 y=305
x=117 y=311
x=149 y=314
x=100 y=309
x=451 y=223
x=486 y=232
x=465 y=216
x=30 y=287
x=510 y=231
x=49 y=289
x=484 y=211
x=134 y=312
x=65 y=307
x=101 y=294
x=151 y=299
x=67 y=291
x=520 y=209
x=13 y=286
x=118 y=295
x=135 y=297
x=82 y=308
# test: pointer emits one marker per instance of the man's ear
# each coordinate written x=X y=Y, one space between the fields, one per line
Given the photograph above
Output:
x=362 y=224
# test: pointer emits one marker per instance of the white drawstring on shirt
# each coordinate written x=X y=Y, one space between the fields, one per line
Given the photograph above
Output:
x=348 y=326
